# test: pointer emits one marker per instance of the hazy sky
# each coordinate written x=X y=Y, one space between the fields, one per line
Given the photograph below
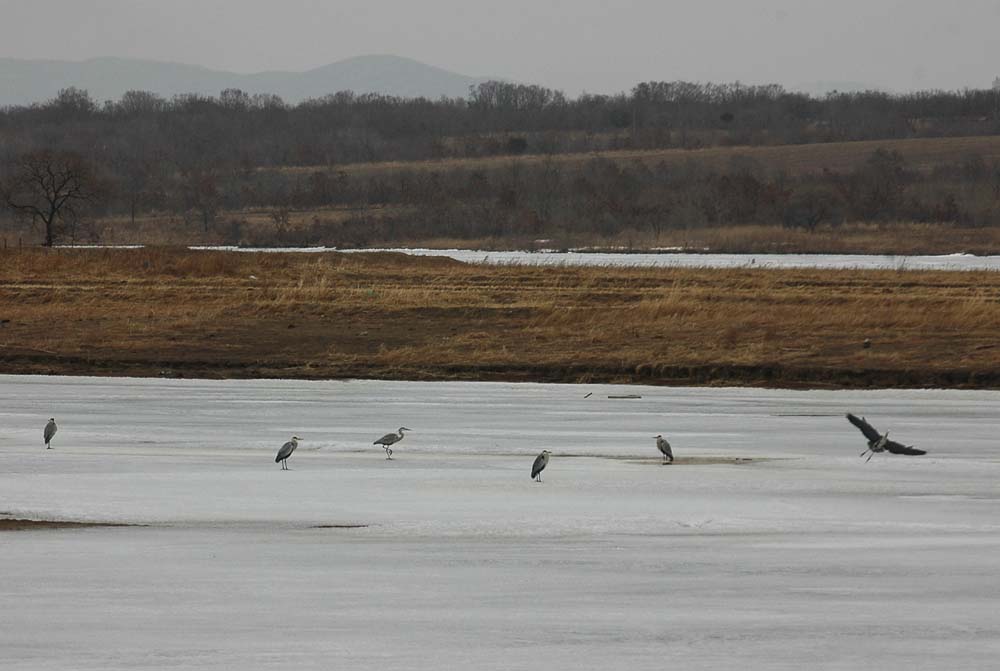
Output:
x=597 y=45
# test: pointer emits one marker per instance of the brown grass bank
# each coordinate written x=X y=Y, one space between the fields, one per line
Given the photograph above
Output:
x=794 y=159
x=174 y=312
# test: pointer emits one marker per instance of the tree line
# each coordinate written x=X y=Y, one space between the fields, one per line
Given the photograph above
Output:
x=239 y=129
x=200 y=154
x=601 y=199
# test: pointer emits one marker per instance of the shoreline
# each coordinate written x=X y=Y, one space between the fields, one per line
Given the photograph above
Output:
x=708 y=375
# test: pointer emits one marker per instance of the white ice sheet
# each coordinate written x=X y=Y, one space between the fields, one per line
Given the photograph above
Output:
x=812 y=559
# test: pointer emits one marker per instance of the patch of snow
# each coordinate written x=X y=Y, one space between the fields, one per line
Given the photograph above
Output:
x=661 y=257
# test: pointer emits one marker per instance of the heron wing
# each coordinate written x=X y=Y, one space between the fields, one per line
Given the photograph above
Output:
x=665 y=448
x=50 y=430
x=387 y=439
x=899 y=448
x=285 y=451
x=866 y=428
x=539 y=464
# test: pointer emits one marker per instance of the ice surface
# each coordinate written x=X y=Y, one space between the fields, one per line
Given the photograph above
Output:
x=660 y=259
x=807 y=558
x=681 y=260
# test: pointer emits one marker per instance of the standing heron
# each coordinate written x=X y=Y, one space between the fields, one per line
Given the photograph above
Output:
x=50 y=432
x=878 y=442
x=391 y=439
x=664 y=447
x=541 y=461
x=286 y=451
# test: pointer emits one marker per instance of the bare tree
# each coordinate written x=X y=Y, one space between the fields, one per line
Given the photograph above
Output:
x=202 y=195
x=140 y=164
x=50 y=186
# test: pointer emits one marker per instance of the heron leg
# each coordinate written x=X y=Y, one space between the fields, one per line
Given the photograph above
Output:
x=869 y=457
x=388 y=453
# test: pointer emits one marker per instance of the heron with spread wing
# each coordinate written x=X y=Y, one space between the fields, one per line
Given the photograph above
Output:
x=879 y=442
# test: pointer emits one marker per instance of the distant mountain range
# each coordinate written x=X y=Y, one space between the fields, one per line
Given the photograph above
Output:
x=23 y=82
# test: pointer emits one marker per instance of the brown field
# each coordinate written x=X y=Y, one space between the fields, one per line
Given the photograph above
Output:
x=918 y=153
x=171 y=312
x=160 y=228
x=896 y=238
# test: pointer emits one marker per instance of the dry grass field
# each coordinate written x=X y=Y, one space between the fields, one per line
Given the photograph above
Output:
x=918 y=153
x=173 y=312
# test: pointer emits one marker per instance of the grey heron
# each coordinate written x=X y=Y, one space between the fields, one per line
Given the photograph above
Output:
x=286 y=451
x=541 y=461
x=664 y=447
x=50 y=432
x=391 y=439
x=878 y=442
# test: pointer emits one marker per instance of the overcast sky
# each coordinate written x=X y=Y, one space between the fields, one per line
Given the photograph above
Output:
x=594 y=45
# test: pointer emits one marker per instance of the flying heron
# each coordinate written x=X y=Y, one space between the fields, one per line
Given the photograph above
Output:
x=286 y=451
x=50 y=431
x=878 y=442
x=541 y=461
x=664 y=447
x=391 y=439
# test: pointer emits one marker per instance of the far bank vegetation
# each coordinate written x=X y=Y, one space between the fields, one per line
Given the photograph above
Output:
x=732 y=167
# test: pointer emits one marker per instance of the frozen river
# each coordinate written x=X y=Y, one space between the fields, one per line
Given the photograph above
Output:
x=680 y=260
x=666 y=259
x=806 y=558
x=661 y=259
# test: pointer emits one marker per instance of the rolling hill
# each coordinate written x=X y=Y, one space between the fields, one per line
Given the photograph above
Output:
x=23 y=82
